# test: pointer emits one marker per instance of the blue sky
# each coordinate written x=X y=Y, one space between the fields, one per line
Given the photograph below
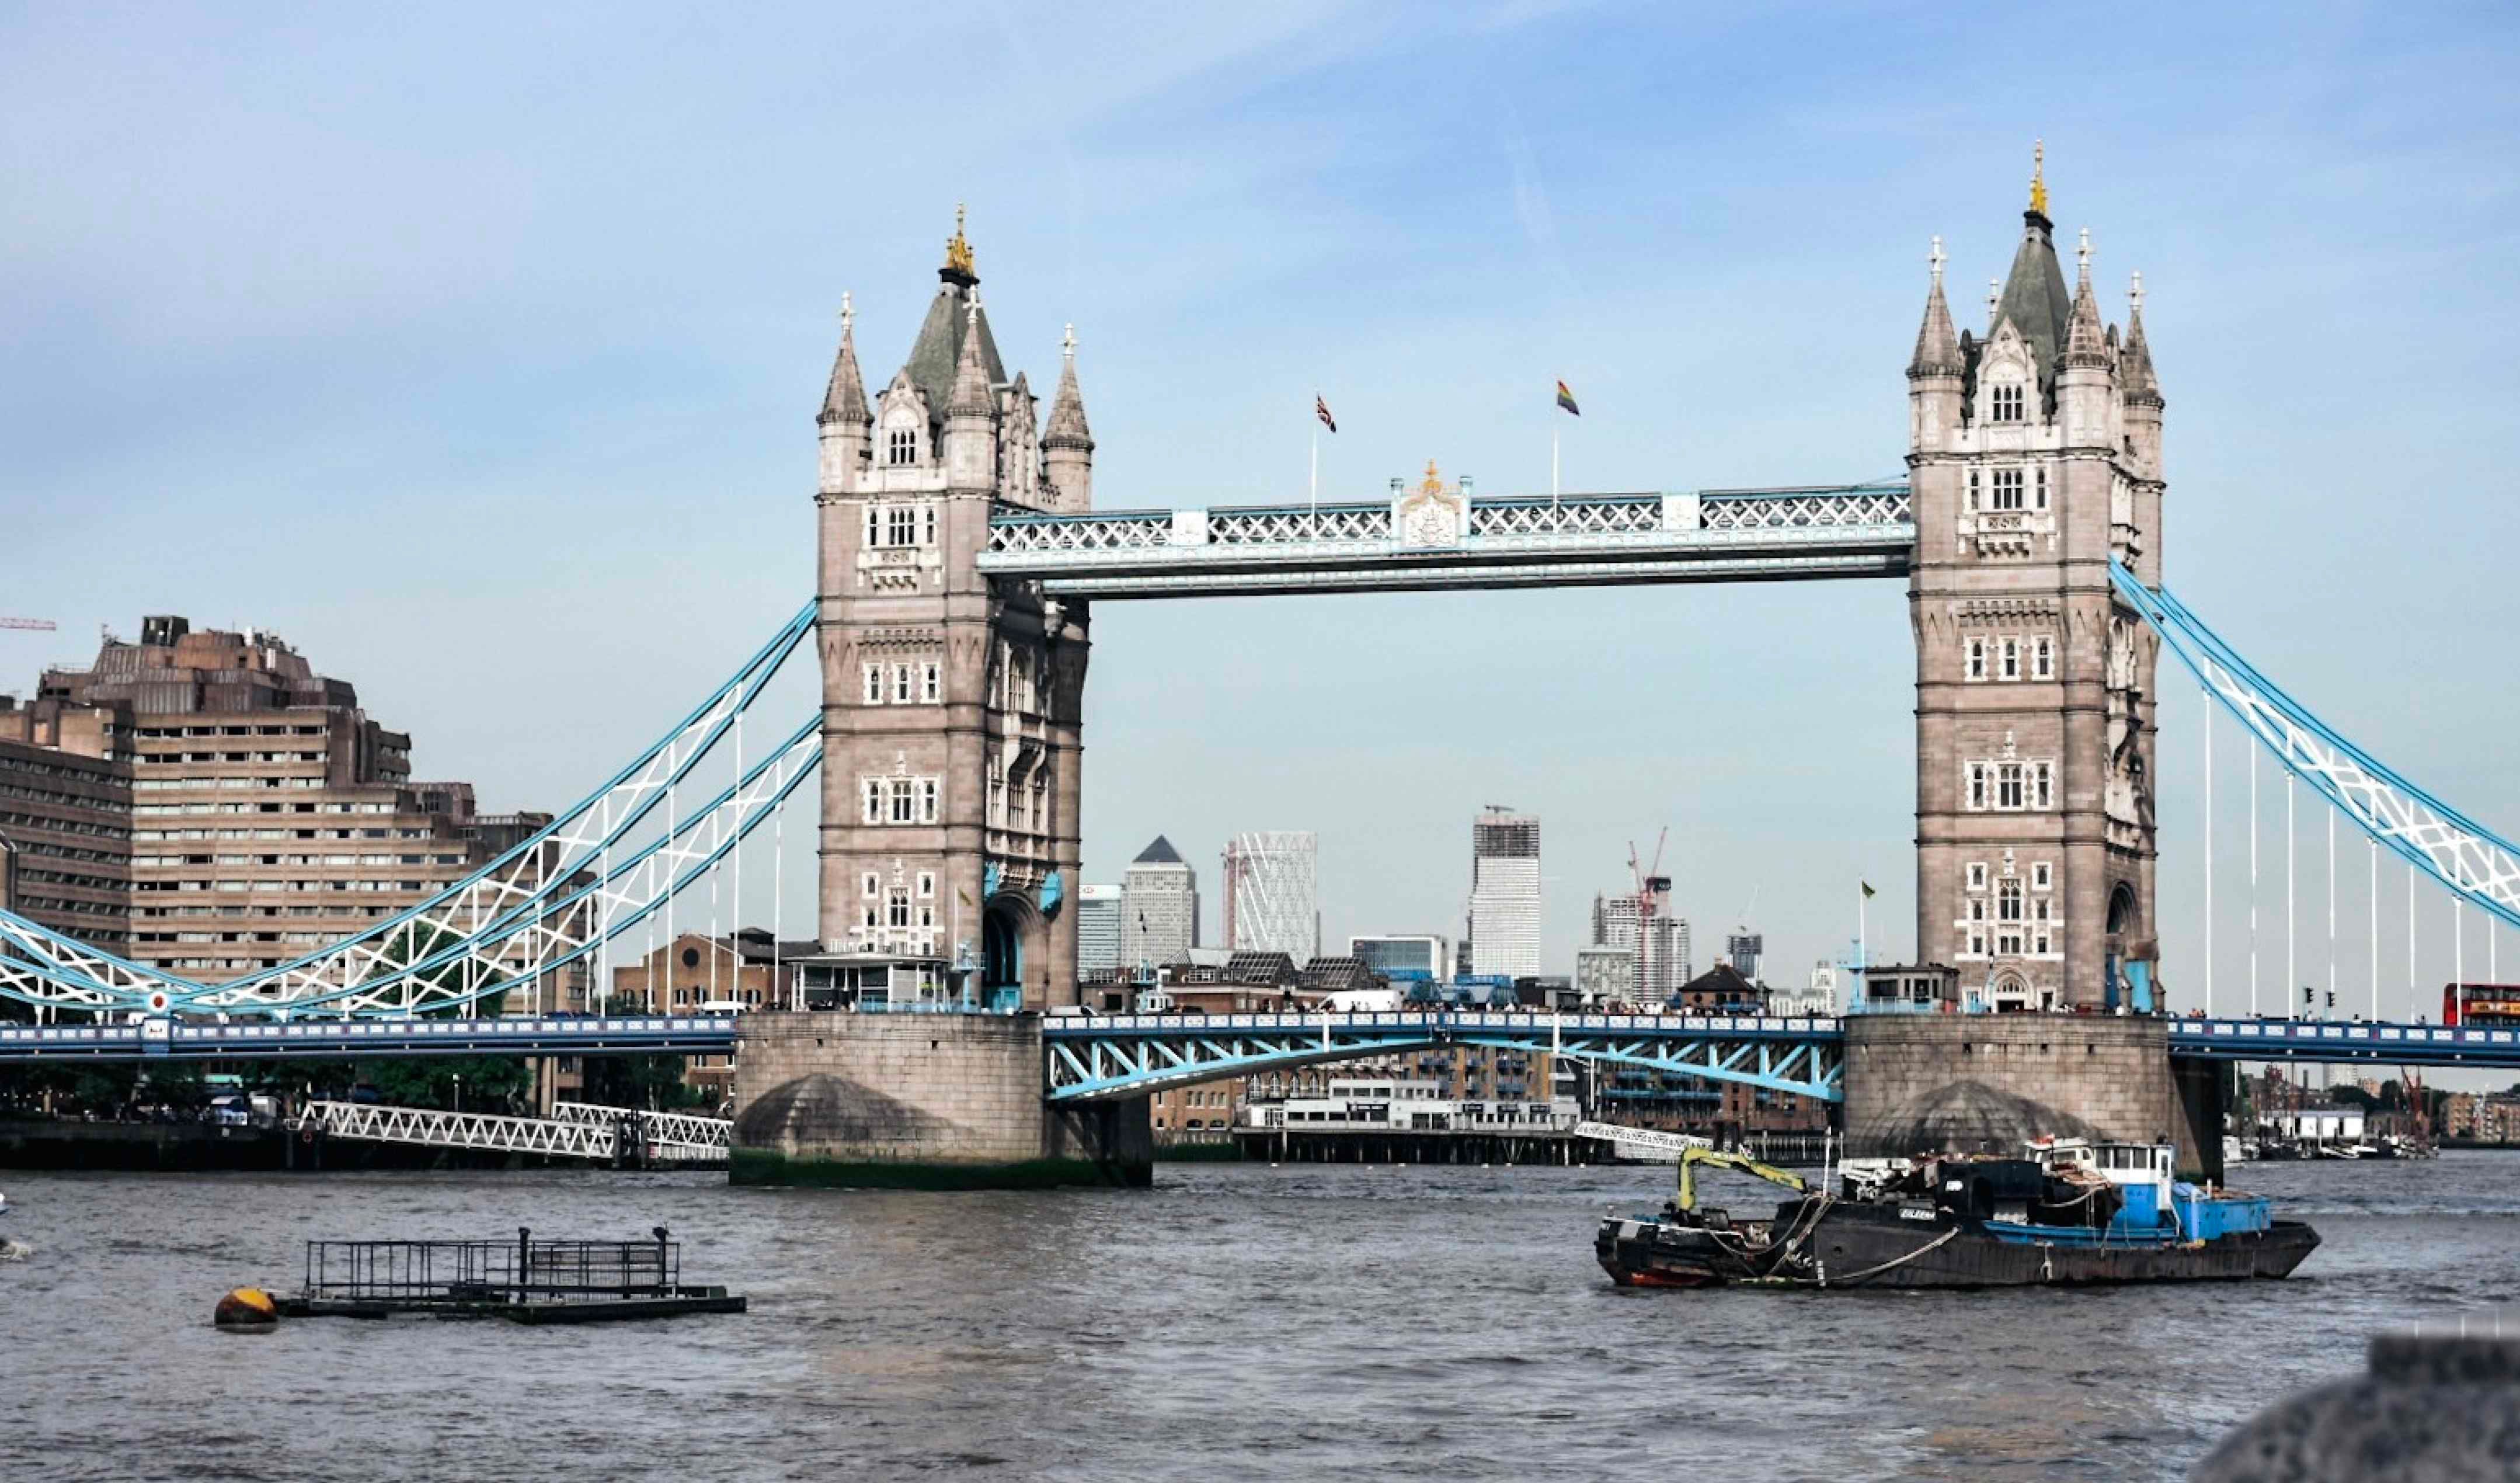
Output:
x=475 y=351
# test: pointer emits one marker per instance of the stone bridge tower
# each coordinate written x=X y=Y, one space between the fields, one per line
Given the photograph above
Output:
x=950 y=703
x=2035 y=454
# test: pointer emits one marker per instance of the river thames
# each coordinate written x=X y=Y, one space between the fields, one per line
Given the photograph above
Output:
x=1237 y=1322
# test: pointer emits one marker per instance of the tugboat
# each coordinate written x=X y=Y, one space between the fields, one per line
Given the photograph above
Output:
x=2067 y=1212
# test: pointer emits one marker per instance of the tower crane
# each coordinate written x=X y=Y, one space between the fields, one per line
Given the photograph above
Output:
x=1646 y=879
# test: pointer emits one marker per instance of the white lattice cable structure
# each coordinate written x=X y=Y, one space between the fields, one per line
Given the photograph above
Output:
x=526 y=915
x=2475 y=864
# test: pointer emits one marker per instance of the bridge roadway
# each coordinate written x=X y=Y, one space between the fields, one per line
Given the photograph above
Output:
x=1097 y=1057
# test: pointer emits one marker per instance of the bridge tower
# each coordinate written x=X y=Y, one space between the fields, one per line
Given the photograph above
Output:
x=2035 y=454
x=950 y=703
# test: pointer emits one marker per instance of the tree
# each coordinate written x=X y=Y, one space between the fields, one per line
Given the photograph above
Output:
x=652 y=1083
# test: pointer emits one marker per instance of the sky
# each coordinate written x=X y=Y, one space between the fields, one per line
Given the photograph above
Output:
x=475 y=350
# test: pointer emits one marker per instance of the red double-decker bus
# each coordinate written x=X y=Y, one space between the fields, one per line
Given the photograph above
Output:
x=2480 y=1004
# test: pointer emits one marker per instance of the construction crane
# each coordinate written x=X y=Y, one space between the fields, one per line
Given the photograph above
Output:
x=1650 y=883
x=33 y=625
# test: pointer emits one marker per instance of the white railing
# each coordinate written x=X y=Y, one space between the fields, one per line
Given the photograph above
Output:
x=553 y=1137
x=689 y=1129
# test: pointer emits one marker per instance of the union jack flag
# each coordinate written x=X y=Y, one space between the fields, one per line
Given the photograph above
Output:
x=1321 y=410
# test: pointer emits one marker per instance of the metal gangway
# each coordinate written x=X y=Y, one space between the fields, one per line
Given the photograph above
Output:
x=588 y=1131
x=1649 y=1146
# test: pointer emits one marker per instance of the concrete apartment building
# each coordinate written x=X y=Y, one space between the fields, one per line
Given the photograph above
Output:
x=263 y=812
x=66 y=824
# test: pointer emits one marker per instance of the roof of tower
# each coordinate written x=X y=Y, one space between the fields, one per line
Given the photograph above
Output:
x=2034 y=294
x=1067 y=410
x=845 y=400
x=937 y=354
x=1938 y=345
x=1161 y=852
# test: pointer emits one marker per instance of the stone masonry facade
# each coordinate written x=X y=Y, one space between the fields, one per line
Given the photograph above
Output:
x=1984 y=1083
x=950 y=702
x=2035 y=457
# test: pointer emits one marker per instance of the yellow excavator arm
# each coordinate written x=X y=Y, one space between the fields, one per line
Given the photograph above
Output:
x=1741 y=1163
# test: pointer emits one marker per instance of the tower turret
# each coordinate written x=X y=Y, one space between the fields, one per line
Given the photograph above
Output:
x=2140 y=388
x=1934 y=371
x=1067 y=445
x=2087 y=400
x=970 y=415
x=844 y=421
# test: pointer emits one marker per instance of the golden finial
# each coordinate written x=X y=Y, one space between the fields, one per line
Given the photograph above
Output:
x=1434 y=482
x=958 y=251
x=2039 y=176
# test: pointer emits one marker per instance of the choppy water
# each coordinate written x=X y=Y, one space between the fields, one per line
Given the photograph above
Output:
x=1239 y=1322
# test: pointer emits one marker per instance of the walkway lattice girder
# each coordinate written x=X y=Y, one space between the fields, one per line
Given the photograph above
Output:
x=1101 y=1059
x=1855 y=530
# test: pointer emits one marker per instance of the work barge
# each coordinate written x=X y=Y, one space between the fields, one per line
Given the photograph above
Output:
x=526 y=1280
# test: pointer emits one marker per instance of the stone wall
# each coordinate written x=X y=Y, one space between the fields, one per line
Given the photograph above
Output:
x=922 y=1099
x=1984 y=1083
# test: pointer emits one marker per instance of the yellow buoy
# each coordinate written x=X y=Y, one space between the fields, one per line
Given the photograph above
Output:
x=246 y=1308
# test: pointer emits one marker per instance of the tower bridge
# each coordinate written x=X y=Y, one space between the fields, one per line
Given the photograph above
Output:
x=961 y=559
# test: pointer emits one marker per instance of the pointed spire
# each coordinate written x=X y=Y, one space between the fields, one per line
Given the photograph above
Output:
x=1067 y=410
x=2134 y=362
x=970 y=391
x=845 y=400
x=2086 y=341
x=2035 y=299
x=1938 y=345
x=2039 y=177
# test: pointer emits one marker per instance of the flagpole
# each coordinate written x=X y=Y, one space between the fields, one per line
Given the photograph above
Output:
x=1317 y=474
x=1553 y=463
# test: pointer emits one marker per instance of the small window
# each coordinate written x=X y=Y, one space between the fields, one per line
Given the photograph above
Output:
x=1977 y=659
x=2039 y=876
x=1976 y=876
x=2008 y=404
x=901 y=800
x=928 y=522
x=874 y=800
x=926 y=884
x=1977 y=785
x=1976 y=503
x=2007 y=901
x=2043 y=784
x=901 y=447
x=870 y=885
x=897 y=910
x=2039 y=499
x=1977 y=908
x=2007 y=489
x=901 y=525
x=2010 y=649
x=930 y=687
x=901 y=684
x=1977 y=945
x=2043 y=658
x=927 y=800
x=2008 y=786
x=874 y=685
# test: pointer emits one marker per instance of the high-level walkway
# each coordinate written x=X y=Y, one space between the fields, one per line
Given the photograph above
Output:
x=1439 y=539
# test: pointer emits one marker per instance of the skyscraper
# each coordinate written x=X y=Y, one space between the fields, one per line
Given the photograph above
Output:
x=1158 y=906
x=1659 y=950
x=1097 y=928
x=1742 y=950
x=1504 y=892
x=1272 y=903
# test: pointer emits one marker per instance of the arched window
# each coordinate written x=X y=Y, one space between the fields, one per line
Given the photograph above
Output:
x=2008 y=404
x=901 y=446
x=2007 y=900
